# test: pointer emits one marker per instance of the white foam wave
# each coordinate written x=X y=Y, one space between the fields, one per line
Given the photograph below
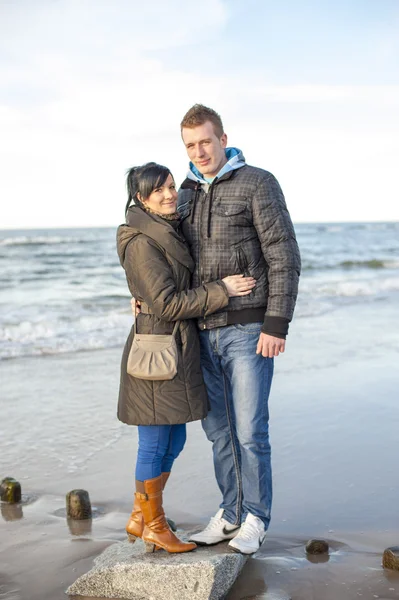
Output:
x=391 y=264
x=29 y=338
x=39 y=240
x=350 y=288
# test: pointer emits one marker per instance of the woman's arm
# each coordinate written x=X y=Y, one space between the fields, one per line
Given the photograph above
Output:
x=152 y=278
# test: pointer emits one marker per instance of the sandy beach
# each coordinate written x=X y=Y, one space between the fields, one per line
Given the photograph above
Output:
x=334 y=424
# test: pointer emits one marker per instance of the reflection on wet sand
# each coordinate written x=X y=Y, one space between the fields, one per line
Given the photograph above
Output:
x=79 y=528
x=8 y=588
x=317 y=558
x=349 y=572
x=11 y=512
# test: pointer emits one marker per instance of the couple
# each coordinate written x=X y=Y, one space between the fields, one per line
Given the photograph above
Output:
x=221 y=258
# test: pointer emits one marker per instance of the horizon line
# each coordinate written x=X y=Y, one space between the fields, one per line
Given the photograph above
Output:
x=55 y=227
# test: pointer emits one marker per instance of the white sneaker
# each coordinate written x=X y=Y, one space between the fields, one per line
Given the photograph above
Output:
x=250 y=537
x=217 y=530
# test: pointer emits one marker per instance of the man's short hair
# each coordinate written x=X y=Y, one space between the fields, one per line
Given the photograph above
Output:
x=200 y=114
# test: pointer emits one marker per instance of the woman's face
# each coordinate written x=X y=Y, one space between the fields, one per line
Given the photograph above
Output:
x=163 y=200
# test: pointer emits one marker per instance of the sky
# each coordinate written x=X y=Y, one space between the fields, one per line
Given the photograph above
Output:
x=89 y=88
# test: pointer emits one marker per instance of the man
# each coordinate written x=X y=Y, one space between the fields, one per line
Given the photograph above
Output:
x=235 y=219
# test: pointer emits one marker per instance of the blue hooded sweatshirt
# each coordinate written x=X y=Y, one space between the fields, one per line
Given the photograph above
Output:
x=235 y=160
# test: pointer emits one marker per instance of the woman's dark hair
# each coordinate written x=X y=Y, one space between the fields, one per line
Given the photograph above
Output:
x=144 y=180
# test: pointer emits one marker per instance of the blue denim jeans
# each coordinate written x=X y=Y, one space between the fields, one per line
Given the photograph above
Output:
x=159 y=446
x=238 y=383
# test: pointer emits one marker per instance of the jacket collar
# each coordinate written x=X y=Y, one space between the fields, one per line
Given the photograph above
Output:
x=190 y=184
x=162 y=232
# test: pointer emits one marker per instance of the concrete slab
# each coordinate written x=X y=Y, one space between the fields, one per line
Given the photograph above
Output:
x=124 y=570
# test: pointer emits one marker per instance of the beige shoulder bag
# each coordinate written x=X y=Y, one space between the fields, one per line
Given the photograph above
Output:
x=153 y=356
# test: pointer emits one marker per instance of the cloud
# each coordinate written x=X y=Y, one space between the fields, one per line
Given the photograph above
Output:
x=311 y=93
x=86 y=92
x=82 y=29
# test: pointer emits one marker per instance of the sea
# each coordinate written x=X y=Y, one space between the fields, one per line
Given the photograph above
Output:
x=63 y=290
x=64 y=317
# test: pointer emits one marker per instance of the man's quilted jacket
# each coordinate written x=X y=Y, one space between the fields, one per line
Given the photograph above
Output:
x=240 y=224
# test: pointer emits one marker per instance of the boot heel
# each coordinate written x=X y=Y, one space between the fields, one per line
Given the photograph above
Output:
x=149 y=547
x=131 y=538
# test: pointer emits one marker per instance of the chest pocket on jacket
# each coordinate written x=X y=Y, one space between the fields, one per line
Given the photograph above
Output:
x=235 y=211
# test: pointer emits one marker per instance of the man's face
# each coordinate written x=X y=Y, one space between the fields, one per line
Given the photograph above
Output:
x=205 y=150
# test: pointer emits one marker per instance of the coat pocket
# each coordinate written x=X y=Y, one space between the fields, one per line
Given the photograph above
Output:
x=228 y=210
x=233 y=211
x=242 y=261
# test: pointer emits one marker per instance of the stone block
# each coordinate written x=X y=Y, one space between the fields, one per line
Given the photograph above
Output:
x=126 y=571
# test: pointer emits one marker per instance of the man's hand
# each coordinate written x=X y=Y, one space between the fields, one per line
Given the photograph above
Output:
x=135 y=303
x=269 y=346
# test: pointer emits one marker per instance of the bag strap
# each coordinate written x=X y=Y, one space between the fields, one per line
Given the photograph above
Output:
x=135 y=321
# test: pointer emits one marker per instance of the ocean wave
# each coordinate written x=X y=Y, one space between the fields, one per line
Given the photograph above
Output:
x=56 y=336
x=62 y=347
x=372 y=263
x=58 y=296
x=42 y=240
x=378 y=226
x=349 y=288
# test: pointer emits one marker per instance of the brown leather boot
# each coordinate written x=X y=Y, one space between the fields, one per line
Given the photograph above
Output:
x=165 y=477
x=157 y=533
x=135 y=524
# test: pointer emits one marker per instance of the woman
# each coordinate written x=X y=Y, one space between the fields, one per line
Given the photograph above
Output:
x=158 y=269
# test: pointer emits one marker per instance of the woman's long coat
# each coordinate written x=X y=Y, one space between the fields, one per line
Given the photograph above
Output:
x=158 y=269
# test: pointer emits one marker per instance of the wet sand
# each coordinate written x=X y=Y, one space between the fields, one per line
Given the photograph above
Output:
x=334 y=424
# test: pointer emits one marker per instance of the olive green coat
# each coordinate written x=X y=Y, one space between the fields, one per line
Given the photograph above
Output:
x=158 y=269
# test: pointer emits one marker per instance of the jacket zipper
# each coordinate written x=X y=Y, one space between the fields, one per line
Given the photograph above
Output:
x=200 y=223
x=242 y=262
x=243 y=265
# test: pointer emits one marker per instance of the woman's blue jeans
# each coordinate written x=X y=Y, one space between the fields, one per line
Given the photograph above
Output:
x=159 y=446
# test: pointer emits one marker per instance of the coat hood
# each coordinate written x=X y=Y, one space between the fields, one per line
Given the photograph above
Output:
x=138 y=222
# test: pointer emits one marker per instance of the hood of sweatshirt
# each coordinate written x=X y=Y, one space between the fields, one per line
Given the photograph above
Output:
x=235 y=160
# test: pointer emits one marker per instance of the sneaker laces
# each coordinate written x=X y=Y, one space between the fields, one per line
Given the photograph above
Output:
x=215 y=522
x=248 y=531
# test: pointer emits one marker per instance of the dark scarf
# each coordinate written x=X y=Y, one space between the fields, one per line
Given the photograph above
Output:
x=173 y=217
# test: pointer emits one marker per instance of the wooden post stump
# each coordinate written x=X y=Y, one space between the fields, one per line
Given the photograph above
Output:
x=317 y=547
x=78 y=505
x=390 y=559
x=10 y=490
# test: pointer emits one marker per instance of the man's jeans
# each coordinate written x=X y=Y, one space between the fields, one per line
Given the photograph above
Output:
x=238 y=382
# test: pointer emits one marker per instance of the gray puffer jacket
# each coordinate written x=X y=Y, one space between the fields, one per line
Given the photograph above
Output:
x=240 y=224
